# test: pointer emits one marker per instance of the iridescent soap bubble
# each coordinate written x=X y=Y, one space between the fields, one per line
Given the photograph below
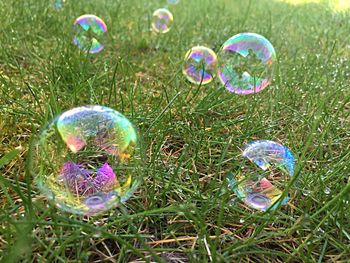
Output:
x=200 y=65
x=162 y=20
x=89 y=31
x=265 y=171
x=173 y=2
x=246 y=63
x=86 y=160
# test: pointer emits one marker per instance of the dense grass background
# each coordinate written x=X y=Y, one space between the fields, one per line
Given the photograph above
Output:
x=183 y=211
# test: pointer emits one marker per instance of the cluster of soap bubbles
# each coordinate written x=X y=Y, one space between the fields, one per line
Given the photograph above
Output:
x=89 y=31
x=85 y=160
x=245 y=64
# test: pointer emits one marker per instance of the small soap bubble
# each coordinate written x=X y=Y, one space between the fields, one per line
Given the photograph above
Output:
x=89 y=31
x=173 y=2
x=200 y=65
x=162 y=20
x=58 y=4
x=327 y=191
x=246 y=63
x=85 y=160
x=260 y=186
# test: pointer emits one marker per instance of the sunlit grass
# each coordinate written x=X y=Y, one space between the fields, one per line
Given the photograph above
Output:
x=336 y=5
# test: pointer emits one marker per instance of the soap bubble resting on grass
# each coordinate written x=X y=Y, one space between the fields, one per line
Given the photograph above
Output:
x=246 y=63
x=261 y=186
x=89 y=31
x=162 y=20
x=85 y=160
x=200 y=65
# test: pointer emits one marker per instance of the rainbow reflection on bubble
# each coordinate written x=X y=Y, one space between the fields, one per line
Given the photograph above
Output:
x=162 y=20
x=85 y=160
x=200 y=65
x=246 y=63
x=262 y=186
x=89 y=31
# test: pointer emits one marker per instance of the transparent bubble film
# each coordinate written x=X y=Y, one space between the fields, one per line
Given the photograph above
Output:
x=86 y=160
x=89 y=32
x=200 y=65
x=265 y=170
x=162 y=20
x=246 y=63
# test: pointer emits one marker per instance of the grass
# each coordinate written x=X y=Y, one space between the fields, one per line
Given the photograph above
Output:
x=183 y=211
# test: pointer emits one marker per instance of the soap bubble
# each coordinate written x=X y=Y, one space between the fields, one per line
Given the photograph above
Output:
x=246 y=63
x=200 y=65
x=58 y=4
x=327 y=190
x=261 y=186
x=86 y=160
x=162 y=20
x=89 y=31
x=173 y=2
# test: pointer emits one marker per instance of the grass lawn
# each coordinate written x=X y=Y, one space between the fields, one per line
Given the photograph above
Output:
x=183 y=211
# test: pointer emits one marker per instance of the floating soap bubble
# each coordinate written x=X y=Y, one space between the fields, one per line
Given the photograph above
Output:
x=246 y=63
x=86 y=160
x=58 y=4
x=173 y=2
x=162 y=20
x=89 y=31
x=260 y=186
x=200 y=65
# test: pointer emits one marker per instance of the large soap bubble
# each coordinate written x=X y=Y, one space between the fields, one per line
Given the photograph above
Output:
x=200 y=65
x=86 y=160
x=162 y=20
x=246 y=63
x=264 y=173
x=89 y=31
